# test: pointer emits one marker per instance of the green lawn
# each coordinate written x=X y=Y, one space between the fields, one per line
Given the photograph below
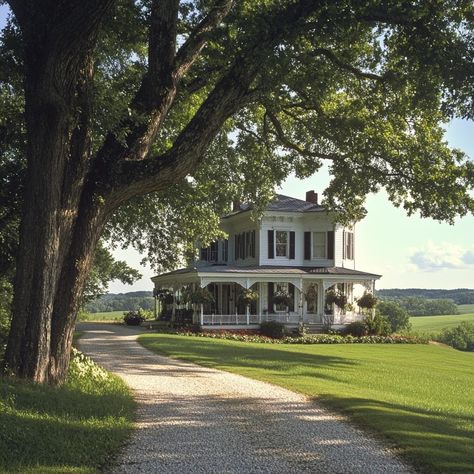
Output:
x=466 y=308
x=77 y=428
x=435 y=324
x=420 y=397
x=102 y=317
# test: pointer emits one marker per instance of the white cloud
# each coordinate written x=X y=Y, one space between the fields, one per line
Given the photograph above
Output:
x=434 y=257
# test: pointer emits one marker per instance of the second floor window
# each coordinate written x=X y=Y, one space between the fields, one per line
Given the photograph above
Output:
x=281 y=243
x=319 y=245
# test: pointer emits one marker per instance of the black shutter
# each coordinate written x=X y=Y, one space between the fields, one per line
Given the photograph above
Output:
x=271 y=244
x=307 y=245
x=330 y=244
x=292 y=245
x=291 y=292
x=204 y=253
x=270 y=297
x=242 y=246
x=236 y=247
x=247 y=243
x=253 y=244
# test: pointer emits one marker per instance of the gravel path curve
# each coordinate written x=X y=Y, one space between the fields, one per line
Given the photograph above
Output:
x=193 y=419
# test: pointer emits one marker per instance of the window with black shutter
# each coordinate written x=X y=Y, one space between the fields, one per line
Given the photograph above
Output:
x=204 y=253
x=271 y=244
x=330 y=244
x=292 y=245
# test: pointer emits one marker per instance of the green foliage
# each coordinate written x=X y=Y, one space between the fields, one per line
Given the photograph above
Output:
x=135 y=318
x=416 y=396
x=198 y=296
x=418 y=306
x=356 y=328
x=6 y=295
x=460 y=337
x=367 y=301
x=130 y=301
x=337 y=298
x=377 y=325
x=106 y=269
x=78 y=427
x=459 y=296
x=273 y=329
x=248 y=296
x=281 y=298
x=397 y=316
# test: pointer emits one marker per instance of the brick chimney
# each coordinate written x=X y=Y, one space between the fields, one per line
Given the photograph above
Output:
x=312 y=197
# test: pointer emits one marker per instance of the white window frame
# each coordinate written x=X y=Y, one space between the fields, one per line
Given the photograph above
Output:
x=287 y=252
x=314 y=257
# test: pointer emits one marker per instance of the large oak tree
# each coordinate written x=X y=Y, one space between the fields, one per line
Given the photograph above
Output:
x=209 y=99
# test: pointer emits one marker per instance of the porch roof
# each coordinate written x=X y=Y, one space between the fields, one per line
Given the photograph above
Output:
x=222 y=270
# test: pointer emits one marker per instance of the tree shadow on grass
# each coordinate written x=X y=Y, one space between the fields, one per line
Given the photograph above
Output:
x=433 y=440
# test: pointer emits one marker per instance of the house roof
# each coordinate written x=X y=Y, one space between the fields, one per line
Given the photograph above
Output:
x=282 y=203
x=280 y=270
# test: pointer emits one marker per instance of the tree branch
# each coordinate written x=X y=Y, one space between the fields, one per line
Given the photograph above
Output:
x=192 y=47
x=348 y=67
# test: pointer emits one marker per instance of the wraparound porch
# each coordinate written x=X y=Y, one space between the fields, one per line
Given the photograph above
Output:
x=307 y=301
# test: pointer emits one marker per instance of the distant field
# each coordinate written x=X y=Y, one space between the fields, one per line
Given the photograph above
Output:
x=435 y=324
x=108 y=316
x=466 y=308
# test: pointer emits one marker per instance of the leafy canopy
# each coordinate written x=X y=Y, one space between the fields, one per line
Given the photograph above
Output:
x=363 y=86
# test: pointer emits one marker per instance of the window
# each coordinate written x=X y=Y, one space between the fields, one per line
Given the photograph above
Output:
x=349 y=245
x=319 y=244
x=281 y=243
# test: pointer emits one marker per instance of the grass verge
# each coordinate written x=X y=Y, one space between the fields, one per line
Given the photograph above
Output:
x=115 y=316
x=76 y=428
x=419 y=397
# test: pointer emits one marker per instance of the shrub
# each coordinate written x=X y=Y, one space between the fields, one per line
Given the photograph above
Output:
x=377 y=326
x=133 y=318
x=357 y=329
x=460 y=337
x=273 y=329
x=397 y=316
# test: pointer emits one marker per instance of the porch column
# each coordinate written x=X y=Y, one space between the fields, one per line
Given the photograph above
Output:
x=173 y=310
x=301 y=301
x=247 y=312
x=201 y=318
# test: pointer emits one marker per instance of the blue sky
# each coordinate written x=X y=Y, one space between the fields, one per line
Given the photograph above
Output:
x=408 y=251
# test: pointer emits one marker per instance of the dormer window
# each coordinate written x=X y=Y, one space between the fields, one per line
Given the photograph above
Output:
x=281 y=243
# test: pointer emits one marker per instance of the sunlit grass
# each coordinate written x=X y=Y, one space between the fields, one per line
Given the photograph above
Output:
x=433 y=325
x=77 y=428
x=419 y=397
x=115 y=316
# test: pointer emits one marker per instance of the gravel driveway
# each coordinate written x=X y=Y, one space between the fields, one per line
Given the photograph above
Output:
x=193 y=419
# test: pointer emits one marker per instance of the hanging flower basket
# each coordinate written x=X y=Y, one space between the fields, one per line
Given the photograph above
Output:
x=165 y=296
x=367 y=301
x=200 y=296
x=281 y=298
x=337 y=298
x=248 y=297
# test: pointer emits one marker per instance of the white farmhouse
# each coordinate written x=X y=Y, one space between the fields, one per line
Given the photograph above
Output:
x=295 y=250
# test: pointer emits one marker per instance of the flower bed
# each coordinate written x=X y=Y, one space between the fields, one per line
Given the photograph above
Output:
x=308 y=339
